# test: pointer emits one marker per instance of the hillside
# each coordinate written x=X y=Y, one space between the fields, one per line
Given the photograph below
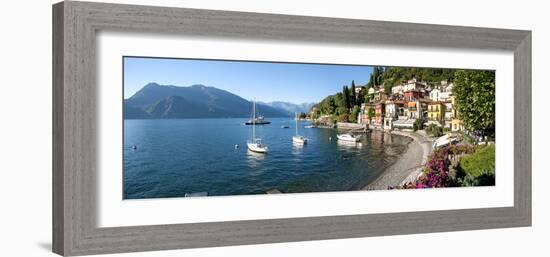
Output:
x=156 y=101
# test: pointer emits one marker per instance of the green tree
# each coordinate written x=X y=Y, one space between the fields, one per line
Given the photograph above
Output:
x=371 y=81
x=475 y=99
x=376 y=74
x=361 y=95
x=387 y=88
x=346 y=96
x=371 y=113
x=417 y=125
x=353 y=96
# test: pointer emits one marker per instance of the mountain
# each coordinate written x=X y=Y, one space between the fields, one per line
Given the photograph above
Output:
x=156 y=101
x=290 y=108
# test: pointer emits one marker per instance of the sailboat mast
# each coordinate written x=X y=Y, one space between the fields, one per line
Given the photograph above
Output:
x=253 y=119
x=296 y=119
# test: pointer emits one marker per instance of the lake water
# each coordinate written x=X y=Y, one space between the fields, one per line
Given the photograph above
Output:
x=178 y=156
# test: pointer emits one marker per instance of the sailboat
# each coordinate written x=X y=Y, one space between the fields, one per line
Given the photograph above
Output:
x=297 y=138
x=255 y=144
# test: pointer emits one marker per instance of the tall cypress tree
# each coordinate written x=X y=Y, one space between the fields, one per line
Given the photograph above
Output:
x=353 y=95
x=345 y=92
x=375 y=76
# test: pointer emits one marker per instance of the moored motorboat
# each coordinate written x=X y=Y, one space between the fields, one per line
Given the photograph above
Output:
x=257 y=121
x=348 y=138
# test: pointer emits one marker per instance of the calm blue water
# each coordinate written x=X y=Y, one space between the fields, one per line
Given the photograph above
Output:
x=179 y=156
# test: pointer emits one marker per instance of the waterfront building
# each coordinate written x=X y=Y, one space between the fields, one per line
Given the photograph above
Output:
x=436 y=111
x=395 y=90
x=412 y=110
x=434 y=95
x=412 y=95
x=379 y=114
x=393 y=109
x=446 y=91
x=363 y=117
x=379 y=94
x=371 y=92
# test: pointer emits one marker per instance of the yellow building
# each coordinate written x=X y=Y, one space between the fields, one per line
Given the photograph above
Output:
x=436 y=111
x=456 y=122
x=457 y=125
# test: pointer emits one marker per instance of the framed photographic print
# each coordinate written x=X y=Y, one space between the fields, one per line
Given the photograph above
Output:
x=182 y=128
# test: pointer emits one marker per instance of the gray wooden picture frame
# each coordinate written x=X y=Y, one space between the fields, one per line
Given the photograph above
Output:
x=75 y=25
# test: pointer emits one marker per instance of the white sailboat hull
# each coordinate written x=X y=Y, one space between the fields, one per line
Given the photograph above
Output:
x=299 y=139
x=257 y=148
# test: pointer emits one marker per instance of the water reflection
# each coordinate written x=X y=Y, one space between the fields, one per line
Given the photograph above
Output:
x=255 y=159
x=297 y=148
x=347 y=145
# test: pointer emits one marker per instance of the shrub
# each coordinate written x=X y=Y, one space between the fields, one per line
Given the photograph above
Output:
x=434 y=130
x=478 y=169
x=417 y=125
x=436 y=170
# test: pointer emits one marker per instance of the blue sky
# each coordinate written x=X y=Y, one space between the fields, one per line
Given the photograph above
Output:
x=296 y=83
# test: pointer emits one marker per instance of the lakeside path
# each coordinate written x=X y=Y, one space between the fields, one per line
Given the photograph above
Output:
x=409 y=166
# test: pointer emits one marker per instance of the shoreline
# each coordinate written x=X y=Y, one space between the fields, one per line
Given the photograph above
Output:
x=408 y=167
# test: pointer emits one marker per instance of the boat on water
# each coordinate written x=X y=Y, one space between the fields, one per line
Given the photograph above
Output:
x=285 y=126
x=255 y=144
x=297 y=138
x=348 y=138
x=260 y=120
x=310 y=126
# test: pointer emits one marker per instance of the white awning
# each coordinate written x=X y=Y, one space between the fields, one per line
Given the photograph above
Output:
x=404 y=123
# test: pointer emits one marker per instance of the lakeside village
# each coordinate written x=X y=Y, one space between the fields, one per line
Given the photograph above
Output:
x=451 y=111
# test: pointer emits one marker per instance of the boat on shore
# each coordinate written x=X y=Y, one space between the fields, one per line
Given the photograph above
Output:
x=255 y=144
x=444 y=141
x=348 y=138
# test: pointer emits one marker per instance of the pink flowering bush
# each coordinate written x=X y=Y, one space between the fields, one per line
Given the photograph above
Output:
x=436 y=170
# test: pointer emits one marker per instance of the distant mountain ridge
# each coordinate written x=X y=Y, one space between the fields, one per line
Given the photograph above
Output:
x=290 y=108
x=156 y=101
